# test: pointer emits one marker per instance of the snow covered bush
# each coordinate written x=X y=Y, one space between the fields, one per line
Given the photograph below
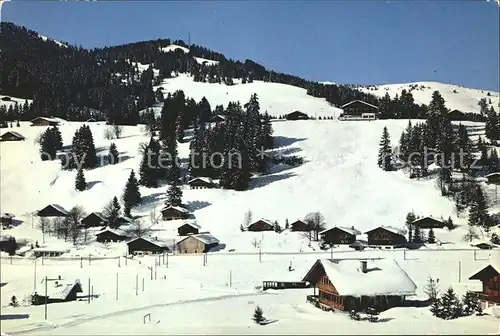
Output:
x=447 y=307
x=471 y=304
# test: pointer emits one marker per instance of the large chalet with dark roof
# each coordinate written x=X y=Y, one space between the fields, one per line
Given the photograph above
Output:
x=12 y=136
x=429 y=223
x=147 y=245
x=57 y=292
x=296 y=115
x=490 y=278
x=261 y=225
x=300 y=226
x=53 y=210
x=339 y=235
x=109 y=235
x=44 y=121
x=386 y=235
x=359 y=110
x=94 y=219
x=174 y=212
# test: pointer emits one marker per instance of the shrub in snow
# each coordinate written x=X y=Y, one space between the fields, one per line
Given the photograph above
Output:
x=258 y=315
x=431 y=239
x=471 y=304
x=451 y=305
x=437 y=308
x=431 y=289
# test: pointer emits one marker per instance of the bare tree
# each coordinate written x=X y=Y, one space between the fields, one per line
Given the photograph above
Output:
x=138 y=229
x=76 y=214
x=316 y=222
x=471 y=234
x=256 y=243
x=44 y=224
x=152 y=217
x=432 y=289
x=118 y=130
x=247 y=220
x=109 y=133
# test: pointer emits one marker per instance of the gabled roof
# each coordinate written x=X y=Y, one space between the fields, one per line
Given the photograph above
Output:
x=267 y=221
x=223 y=117
x=7 y=215
x=204 y=179
x=117 y=232
x=61 y=291
x=124 y=219
x=194 y=225
x=204 y=237
x=383 y=277
x=178 y=208
x=351 y=231
x=46 y=119
x=58 y=208
x=154 y=241
x=16 y=134
x=392 y=229
x=359 y=101
x=492 y=269
x=430 y=217
x=493 y=174
x=98 y=215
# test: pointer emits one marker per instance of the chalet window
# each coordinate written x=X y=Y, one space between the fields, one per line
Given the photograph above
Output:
x=493 y=285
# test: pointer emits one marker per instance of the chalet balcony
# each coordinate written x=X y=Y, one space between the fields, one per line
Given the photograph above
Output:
x=489 y=298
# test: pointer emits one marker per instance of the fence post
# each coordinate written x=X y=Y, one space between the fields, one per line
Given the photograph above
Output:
x=119 y=262
x=81 y=262
x=89 y=259
x=459 y=271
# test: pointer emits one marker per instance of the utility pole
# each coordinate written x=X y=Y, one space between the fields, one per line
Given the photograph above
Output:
x=137 y=284
x=34 y=278
x=459 y=271
x=167 y=259
x=143 y=284
x=260 y=255
x=230 y=278
x=116 y=286
x=46 y=298
x=89 y=290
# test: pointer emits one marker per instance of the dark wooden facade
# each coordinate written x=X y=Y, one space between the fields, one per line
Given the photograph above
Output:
x=299 y=225
x=283 y=284
x=493 y=178
x=383 y=236
x=53 y=210
x=490 y=278
x=108 y=236
x=296 y=115
x=358 y=107
x=11 y=136
x=456 y=115
x=337 y=235
x=172 y=213
x=260 y=225
x=72 y=295
x=41 y=121
x=198 y=183
x=94 y=219
x=187 y=228
x=145 y=246
x=429 y=223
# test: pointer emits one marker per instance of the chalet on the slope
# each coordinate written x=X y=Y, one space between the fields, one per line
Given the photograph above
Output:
x=109 y=235
x=359 y=110
x=147 y=245
x=455 y=115
x=44 y=121
x=218 y=118
x=6 y=219
x=53 y=210
x=386 y=235
x=174 y=212
x=197 y=243
x=353 y=284
x=48 y=252
x=300 y=226
x=339 y=235
x=261 y=225
x=57 y=292
x=12 y=136
x=94 y=219
x=188 y=228
x=429 y=223
x=123 y=220
x=201 y=182
x=296 y=115
x=8 y=244
x=490 y=278
x=493 y=178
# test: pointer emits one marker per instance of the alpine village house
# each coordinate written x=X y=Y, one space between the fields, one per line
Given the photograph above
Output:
x=490 y=278
x=197 y=243
x=339 y=235
x=351 y=284
x=11 y=136
x=386 y=236
x=359 y=110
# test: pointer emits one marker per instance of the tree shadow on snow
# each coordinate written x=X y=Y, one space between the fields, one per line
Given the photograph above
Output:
x=279 y=152
x=281 y=141
x=197 y=205
x=217 y=248
x=262 y=181
x=149 y=200
x=417 y=303
x=91 y=184
x=14 y=316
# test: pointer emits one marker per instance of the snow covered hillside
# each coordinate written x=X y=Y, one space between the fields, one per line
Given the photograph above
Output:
x=456 y=97
x=8 y=101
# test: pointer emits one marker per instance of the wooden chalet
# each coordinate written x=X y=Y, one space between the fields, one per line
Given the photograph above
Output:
x=296 y=115
x=261 y=225
x=197 y=243
x=44 y=121
x=301 y=226
x=352 y=284
x=359 y=110
x=490 y=278
x=48 y=252
x=493 y=178
x=386 y=235
x=57 y=292
x=339 y=235
x=147 y=245
x=174 y=212
x=123 y=220
x=94 y=219
x=109 y=235
x=429 y=223
x=218 y=118
x=12 y=136
x=201 y=182
x=8 y=244
x=53 y=210
x=188 y=228
x=455 y=115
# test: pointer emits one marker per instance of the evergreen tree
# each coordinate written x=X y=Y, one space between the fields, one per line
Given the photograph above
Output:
x=58 y=143
x=287 y=225
x=147 y=172
x=417 y=235
x=492 y=129
x=435 y=118
x=113 y=154
x=410 y=218
x=431 y=239
x=437 y=308
x=48 y=147
x=478 y=212
x=470 y=303
x=115 y=212
x=493 y=164
x=131 y=196
x=384 y=153
x=258 y=315
x=451 y=305
x=80 y=183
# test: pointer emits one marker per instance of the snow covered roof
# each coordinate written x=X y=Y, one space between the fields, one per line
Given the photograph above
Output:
x=192 y=224
x=204 y=179
x=46 y=119
x=267 y=221
x=6 y=238
x=359 y=101
x=204 y=237
x=174 y=47
x=60 y=291
x=117 y=232
x=153 y=240
x=493 y=174
x=390 y=229
x=350 y=230
x=98 y=214
x=430 y=217
x=178 y=208
x=16 y=134
x=382 y=277
x=48 y=249
x=58 y=208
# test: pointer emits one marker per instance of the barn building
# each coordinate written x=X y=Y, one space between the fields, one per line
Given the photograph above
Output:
x=456 y=115
x=197 y=243
x=351 y=284
x=386 y=235
x=12 y=136
x=261 y=225
x=429 y=223
x=44 y=121
x=147 y=245
x=174 y=212
x=201 y=182
x=57 y=292
x=109 y=235
x=123 y=220
x=94 y=219
x=53 y=210
x=339 y=235
x=493 y=178
x=188 y=228
x=300 y=226
x=296 y=115
x=359 y=110
x=490 y=278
